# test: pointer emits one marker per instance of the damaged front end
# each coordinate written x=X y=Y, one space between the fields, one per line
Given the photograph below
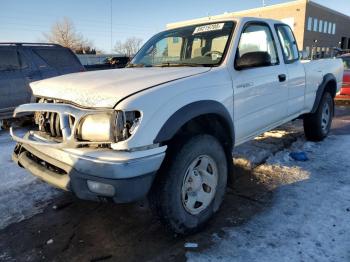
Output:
x=67 y=126
x=72 y=149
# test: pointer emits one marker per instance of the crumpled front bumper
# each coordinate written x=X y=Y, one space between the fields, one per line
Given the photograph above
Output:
x=89 y=170
x=130 y=173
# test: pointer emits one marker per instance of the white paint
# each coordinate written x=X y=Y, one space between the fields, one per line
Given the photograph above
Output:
x=106 y=87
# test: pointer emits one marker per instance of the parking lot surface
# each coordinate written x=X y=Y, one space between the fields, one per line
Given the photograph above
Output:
x=275 y=208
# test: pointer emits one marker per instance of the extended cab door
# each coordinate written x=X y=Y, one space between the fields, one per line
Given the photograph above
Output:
x=295 y=70
x=260 y=87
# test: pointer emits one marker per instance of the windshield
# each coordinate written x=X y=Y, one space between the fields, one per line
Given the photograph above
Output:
x=198 y=45
x=346 y=62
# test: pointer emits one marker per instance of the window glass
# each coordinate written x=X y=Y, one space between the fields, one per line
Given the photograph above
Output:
x=197 y=45
x=320 y=26
x=57 y=58
x=346 y=62
x=325 y=27
x=289 y=45
x=9 y=60
x=308 y=51
x=162 y=53
x=329 y=28
x=309 y=24
x=257 y=38
x=333 y=30
x=176 y=40
x=315 y=24
x=23 y=61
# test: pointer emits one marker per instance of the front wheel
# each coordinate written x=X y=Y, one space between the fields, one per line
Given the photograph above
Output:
x=191 y=185
x=317 y=125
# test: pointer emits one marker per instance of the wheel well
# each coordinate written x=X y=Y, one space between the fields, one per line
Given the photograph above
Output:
x=329 y=84
x=331 y=87
x=210 y=124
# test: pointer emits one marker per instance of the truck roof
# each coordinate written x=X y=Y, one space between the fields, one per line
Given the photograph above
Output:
x=219 y=18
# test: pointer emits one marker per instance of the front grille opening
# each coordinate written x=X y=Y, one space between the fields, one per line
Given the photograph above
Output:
x=50 y=123
x=46 y=165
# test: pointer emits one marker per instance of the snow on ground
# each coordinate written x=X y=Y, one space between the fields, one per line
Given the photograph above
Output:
x=256 y=151
x=309 y=219
x=21 y=194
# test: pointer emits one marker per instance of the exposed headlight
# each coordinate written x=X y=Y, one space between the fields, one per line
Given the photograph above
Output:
x=112 y=127
x=97 y=128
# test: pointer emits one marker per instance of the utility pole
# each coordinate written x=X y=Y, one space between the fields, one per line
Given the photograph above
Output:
x=111 y=26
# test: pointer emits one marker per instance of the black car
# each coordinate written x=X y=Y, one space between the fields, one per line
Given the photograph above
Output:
x=22 y=63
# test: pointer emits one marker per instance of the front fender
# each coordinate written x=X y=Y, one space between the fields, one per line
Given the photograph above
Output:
x=191 y=111
x=177 y=102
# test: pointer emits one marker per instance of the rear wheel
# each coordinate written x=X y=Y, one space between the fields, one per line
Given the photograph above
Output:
x=317 y=125
x=191 y=185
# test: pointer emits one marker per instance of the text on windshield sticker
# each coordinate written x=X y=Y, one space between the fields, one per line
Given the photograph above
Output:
x=208 y=28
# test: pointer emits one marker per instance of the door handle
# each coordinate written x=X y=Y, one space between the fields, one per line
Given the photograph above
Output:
x=282 y=77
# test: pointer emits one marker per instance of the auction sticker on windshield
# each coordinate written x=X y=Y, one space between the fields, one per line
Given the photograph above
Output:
x=208 y=28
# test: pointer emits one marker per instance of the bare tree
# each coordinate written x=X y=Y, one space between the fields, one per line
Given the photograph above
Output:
x=64 y=33
x=129 y=47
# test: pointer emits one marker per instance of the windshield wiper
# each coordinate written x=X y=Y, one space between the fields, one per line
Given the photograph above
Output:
x=170 y=64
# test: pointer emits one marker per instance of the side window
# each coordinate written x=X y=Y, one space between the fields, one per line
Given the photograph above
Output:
x=288 y=43
x=57 y=58
x=9 y=60
x=23 y=61
x=257 y=38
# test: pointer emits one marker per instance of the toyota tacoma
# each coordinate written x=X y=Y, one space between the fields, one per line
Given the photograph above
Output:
x=165 y=126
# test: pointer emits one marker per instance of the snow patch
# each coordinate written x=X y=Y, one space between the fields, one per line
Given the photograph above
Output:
x=310 y=218
x=21 y=194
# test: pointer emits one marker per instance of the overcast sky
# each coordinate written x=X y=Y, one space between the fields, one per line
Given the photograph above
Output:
x=25 y=20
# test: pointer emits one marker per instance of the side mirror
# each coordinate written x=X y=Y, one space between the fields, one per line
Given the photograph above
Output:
x=253 y=59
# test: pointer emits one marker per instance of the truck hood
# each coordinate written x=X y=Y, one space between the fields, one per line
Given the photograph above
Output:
x=106 y=88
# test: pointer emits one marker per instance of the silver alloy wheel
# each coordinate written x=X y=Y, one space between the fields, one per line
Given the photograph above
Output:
x=199 y=184
x=326 y=117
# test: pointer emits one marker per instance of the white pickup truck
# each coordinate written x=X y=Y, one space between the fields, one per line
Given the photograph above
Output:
x=165 y=126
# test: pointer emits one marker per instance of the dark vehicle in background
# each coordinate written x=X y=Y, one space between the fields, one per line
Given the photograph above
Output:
x=345 y=90
x=118 y=62
x=23 y=63
x=103 y=62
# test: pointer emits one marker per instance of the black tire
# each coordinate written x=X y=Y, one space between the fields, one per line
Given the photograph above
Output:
x=166 y=196
x=314 y=127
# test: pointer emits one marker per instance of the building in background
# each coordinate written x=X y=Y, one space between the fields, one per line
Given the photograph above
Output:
x=319 y=30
